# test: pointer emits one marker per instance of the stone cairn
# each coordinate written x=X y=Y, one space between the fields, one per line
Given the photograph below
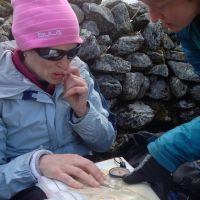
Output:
x=140 y=67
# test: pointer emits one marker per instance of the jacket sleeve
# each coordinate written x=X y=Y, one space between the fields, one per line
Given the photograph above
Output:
x=178 y=145
x=190 y=40
x=15 y=175
x=97 y=128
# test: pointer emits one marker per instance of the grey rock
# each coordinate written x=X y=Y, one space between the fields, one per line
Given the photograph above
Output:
x=3 y=38
x=5 y=9
x=101 y=15
x=1 y=20
x=104 y=40
x=156 y=57
x=162 y=113
x=7 y=26
x=3 y=33
x=195 y=92
x=178 y=47
x=127 y=45
x=91 y=26
x=185 y=104
x=167 y=42
x=132 y=85
x=89 y=49
x=176 y=56
x=183 y=71
x=140 y=22
x=142 y=7
x=135 y=116
x=104 y=49
x=122 y=20
x=159 y=90
x=111 y=3
x=111 y=64
x=112 y=103
x=160 y=70
x=80 y=2
x=134 y=11
x=190 y=114
x=104 y=43
x=178 y=88
x=139 y=61
x=119 y=77
x=171 y=103
x=79 y=13
x=110 y=87
x=153 y=35
x=144 y=87
x=85 y=34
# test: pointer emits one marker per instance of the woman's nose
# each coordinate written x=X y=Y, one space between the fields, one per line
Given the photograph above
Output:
x=64 y=63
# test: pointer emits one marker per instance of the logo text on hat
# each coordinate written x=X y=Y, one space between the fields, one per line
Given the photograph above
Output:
x=48 y=34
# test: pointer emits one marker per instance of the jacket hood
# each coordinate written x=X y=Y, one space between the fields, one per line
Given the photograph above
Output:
x=12 y=82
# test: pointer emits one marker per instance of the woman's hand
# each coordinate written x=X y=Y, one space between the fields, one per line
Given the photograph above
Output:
x=76 y=91
x=71 y=169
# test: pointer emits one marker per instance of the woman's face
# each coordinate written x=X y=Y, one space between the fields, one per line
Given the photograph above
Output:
x=48 y=70
x=173 y=14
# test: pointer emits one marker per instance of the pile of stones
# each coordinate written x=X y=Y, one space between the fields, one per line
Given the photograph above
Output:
x=140 y=66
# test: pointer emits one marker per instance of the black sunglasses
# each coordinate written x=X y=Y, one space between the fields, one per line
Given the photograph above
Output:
x=57 y=54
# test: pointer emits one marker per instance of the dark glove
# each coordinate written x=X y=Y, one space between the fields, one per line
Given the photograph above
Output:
x=187 y=180
x=150 y=171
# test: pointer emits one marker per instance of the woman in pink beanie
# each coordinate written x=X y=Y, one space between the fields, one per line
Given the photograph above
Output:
x=51 y=116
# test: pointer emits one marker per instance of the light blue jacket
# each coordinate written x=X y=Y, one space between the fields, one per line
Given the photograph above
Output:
x=182 y=143
x=31 y=119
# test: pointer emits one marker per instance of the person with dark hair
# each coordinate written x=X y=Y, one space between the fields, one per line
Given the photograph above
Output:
x=51 y=114
x=181 y=144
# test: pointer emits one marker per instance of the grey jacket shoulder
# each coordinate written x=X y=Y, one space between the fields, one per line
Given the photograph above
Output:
x=84 y=69
x=12 y=82
x=80 y=64
x=7 y=45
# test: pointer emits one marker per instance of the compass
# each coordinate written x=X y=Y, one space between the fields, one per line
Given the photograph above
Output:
x=118 y=172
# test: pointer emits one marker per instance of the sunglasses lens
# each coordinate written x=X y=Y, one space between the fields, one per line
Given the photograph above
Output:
x=50 y=54
x=73 y=52
x=56 y=54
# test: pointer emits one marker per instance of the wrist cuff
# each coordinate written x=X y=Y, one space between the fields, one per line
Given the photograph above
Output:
x=74 y=119
x=34 y=164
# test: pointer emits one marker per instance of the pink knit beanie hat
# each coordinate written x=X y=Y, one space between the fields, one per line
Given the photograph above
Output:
x=44 y=23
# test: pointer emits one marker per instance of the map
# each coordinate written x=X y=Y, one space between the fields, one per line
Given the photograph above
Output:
x=114 y=188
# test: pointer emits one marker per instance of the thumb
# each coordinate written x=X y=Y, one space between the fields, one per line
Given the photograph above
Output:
x=134 y=177
x=139 y=173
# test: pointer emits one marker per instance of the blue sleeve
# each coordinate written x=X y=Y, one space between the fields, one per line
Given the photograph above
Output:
x=97 y=128
x=178 y=145
x=15 y=175
x=190 y=40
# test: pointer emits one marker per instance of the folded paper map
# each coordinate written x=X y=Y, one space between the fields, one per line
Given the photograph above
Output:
x=113 y=189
